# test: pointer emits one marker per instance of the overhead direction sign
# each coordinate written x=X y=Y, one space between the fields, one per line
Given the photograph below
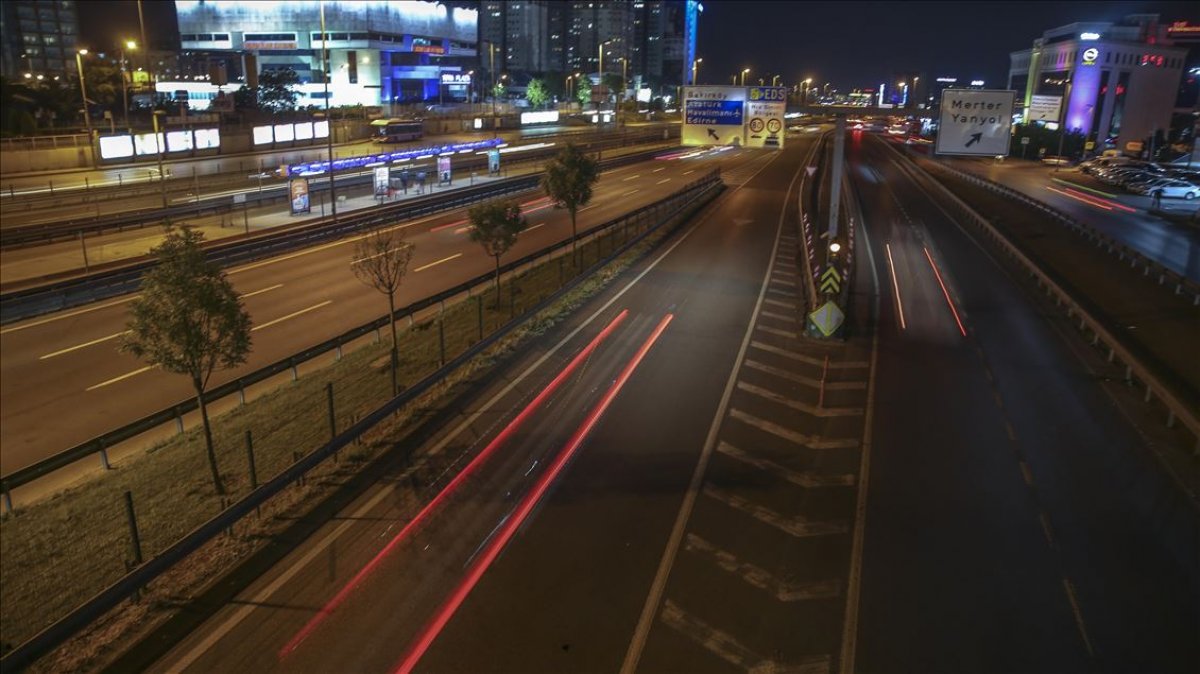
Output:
x=827 y=318
x=765 y=107
x=975 y=122
x=714 y=115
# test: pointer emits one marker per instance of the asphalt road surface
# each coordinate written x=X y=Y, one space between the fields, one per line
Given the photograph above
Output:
x=1010 y=524
x=63 y=381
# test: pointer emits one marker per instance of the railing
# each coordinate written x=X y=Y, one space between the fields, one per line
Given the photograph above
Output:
x=101 y=443
x=1182 y=284
x=1177 y=410
x=26 y=653
x=68 y=293
x=29 y=143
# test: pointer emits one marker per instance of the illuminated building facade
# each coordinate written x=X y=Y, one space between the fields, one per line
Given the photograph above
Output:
x=37 y=39
x=379 y=52
x=1119 y=80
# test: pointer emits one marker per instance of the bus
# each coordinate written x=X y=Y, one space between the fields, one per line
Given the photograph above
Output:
x=398 y=130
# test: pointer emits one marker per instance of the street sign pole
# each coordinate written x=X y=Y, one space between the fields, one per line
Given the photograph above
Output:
x=835 y=188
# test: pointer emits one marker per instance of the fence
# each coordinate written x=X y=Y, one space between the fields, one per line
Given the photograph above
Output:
x=631 y=229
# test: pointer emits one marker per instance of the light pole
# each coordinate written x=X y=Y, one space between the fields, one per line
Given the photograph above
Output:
x=695 y=68
x=600 y=66
x=773 y=80
x=158 y=145
x=807 y=85
x=1062 y=125
x=327 y=72
x=624 y=88
x=131 y=46
x=87 y=117
x=745 y=71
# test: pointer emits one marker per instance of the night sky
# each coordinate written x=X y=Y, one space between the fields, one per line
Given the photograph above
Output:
x=851 y=44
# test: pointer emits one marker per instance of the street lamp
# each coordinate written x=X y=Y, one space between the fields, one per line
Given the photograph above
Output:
x=773 y=80
x=158 y=145
x=695 y=67
x=326 y=73
x=745 y=71
x=131 y=46
x=600 y=66
x=87 y=118
x=807 y=85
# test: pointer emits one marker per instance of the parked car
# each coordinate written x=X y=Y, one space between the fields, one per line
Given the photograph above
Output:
x=1176 y=189
x=1148 y=182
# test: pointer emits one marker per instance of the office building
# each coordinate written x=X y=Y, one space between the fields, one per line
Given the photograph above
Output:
x=37 y=39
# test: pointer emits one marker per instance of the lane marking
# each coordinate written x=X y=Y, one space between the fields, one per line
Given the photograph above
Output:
x=268 y=289
x=797 y=405
x=759 y=577
x=636 y=175
x=513 y=522
x=70 y=314
x=806 y=479
x=797 y=526
x=1008 y=428
x=788 y=334
x=664 y=180
x=540 y=224
x=629 y=193
x=1047 y=530
x=945 y=292
x=730 y=650
x=1070 y=588
x=803 y=358
x=794 y=437
x=687 y=172
x=1025 y=473
x=84 y=345
x=123 y=377
x=778 y=317
x=663 y=168
x=801 y=379
x=783 y=282
x=437 y=262
x=896 y=286
x=291 y=315
x=780 y=303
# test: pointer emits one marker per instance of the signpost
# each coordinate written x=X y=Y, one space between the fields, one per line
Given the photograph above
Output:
x=764 y=111
x=827 y=318
x=1044 y=108
x=713 y=115
x=975 y=122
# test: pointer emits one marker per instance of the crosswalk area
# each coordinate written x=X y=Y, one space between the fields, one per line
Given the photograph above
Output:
x=759 y=583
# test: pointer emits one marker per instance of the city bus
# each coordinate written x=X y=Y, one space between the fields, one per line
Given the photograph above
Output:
x=398 y=130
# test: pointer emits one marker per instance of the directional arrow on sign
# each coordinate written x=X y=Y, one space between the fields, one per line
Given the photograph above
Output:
x=811 y=170
x=713 y=134
x=831 y=280
x=975 y=138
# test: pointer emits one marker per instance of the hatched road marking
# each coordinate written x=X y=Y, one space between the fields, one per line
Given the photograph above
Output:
x=761 y=578
x=800 y=527
x=729 y=649
x=807 y=479
x=810 y=441
x=807 y=381
x=800 y=406
x=794 y=355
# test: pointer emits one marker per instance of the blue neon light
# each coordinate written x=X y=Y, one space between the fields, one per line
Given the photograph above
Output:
x=389 y=157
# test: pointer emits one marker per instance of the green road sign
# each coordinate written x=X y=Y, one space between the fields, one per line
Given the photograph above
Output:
x=827 y=318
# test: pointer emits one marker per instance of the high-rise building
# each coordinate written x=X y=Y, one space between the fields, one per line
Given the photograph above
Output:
x=38 y=39
x=521 y=32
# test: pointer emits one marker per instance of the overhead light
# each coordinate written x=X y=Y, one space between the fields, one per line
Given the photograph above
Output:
x=1089 y=36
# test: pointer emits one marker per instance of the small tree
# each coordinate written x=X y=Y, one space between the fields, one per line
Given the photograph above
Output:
x=189 y=320
x=495 y=226
x=584 y=91
x=381 y=260
x=536 y=93
x=276 y=91
x=568 y=181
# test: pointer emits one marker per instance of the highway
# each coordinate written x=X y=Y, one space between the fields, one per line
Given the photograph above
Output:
x=66 y=367
x=1010 y=521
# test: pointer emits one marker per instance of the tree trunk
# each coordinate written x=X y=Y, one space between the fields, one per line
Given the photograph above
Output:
x=395 y=355
x=208 y=440
x=574 y=239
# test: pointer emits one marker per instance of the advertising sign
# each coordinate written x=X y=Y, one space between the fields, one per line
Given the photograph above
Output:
x=298 y=190
x=1044 y=108
x=975 y=122
x=539 y=117
x=713 y=115
x=381 y=180
x=444 y=169
x=456 y=78
x=765 y=107
x=114 y=147
x=493 y=161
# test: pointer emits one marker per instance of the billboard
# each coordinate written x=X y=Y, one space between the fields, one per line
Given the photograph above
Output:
x=713 y=115
x=765 y=107
x=298 y=191
x=444 y=168
x=382 y=175
x=1044 y=108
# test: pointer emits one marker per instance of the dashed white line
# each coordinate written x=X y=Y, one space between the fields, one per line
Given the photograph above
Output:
x=437 y=262
x=291 y=315
x=82 y=346
x=123 y=377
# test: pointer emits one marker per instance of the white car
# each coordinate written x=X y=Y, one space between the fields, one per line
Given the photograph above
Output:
x=1177 y=189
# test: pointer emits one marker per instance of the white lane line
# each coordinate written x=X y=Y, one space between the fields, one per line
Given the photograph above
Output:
x=794 y=437
x=760 y=577
x=268 y=289
x=123 y=377
x=629 y=193
x=780 y=303
x=788 y=353
x=895 y=286
x=784 y=272
x=806 y=479
x=687 y=172
x=801 y=379
x=262 y=596
x=788 y=334
x=796 y=525
x=664 y=180
x=1070 y=588
x=636 y=175
x=800 y=406
x=69 y=314
x=778 y=317
x=533 y=227
x=664 y=168
x=437 y=262
x=783 y=282
x=726 y=647
x=84 y=345
x=291 y=315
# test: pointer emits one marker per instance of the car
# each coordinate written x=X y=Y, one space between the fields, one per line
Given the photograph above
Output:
x=1056 y=161
x=1176 y=189
x=1144 y=186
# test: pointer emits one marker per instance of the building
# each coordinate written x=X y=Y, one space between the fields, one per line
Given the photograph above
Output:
x=520 y=31
x=379 y=53
x=1119 y=80
x=37 y=39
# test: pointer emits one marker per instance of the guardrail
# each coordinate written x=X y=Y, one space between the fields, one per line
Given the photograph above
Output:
x=49 y=232
x=1176 y=409
x=1183 y=285
x=40 y=644
x=73 y=292
x=101 y=443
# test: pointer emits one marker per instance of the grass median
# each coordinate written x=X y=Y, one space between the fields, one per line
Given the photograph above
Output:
x=61 y=551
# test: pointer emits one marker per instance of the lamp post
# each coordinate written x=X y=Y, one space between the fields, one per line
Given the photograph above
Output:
x=773 y=80
x=600 y=66
x=1062 y=125
x=87 y=117
x=695 y=69
x=624 y=88
x=131 y=46
x=807 y=86
x=745 y=71
x=327 y=72
x=158 y=145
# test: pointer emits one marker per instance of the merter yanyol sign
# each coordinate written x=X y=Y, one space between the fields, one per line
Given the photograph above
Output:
x=975 y=122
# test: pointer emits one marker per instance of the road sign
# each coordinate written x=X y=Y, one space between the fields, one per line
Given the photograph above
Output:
x=827 y=318
x=1044 y=108
x=831 y=281
x=975 y=122
x=713 y=115
x=764 y=110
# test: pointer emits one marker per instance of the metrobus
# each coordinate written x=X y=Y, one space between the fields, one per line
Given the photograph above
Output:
x=398 y=130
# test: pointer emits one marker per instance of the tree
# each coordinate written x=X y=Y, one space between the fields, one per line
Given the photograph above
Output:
x=275 y=91
x=568 y=181
x=381 y=260
x=583 y=91
x=189 y=320
x=536 y=93
x=495 y=226
x=614 y=83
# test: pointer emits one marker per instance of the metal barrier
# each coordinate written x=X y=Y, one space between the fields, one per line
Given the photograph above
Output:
x=1176 y=409
x=73 y=292
x=54 y=635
